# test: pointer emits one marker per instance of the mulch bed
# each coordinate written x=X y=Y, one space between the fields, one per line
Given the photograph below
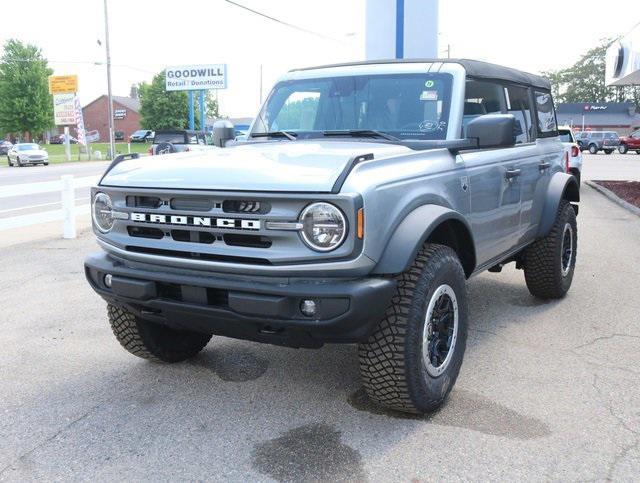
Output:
x=627 y=190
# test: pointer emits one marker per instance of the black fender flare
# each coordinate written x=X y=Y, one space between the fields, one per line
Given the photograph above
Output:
x=561 y=186
x=414 y=230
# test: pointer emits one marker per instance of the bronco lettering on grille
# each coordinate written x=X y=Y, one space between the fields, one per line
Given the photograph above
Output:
x=187 y=220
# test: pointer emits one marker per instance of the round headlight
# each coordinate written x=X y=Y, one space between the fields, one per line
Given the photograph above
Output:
x=324 y=227
x=102 y=212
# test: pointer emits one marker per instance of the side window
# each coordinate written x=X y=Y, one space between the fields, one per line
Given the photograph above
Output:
x=519 y=104
x=298 y=112
x=546 y=114
x=482 y=98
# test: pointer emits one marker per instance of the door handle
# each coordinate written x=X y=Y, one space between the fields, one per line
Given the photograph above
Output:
x=512 y=173
x=544 y=165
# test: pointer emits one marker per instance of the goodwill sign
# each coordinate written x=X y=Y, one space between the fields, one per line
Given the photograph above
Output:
x=196 y=77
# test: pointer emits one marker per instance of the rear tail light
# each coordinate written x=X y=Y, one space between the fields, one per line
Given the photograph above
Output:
x=574 y=151
x=566 y=162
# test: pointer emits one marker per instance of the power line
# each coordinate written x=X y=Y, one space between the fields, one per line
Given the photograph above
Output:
x=282 y=22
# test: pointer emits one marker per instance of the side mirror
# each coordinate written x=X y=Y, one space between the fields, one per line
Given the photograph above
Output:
x=493 y=130
x=223 y=131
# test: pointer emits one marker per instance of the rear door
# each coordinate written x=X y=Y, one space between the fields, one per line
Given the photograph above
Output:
x=537 y=170
x=494 y=179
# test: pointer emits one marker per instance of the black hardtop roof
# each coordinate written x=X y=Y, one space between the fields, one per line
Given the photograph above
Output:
x=175 y=131
x=474 y=68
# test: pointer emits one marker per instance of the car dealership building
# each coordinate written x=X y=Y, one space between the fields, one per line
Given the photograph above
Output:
x=622 y=117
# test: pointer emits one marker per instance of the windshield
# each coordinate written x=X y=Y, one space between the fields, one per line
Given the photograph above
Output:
x=27 y=147
x=139 y=133
x=169 y=137
x=414 y=106
x=611 y=135
x=565 y=136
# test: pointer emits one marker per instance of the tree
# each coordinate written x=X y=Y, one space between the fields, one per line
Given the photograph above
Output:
x=584 y=80
x=160 y=109
x=27 y=106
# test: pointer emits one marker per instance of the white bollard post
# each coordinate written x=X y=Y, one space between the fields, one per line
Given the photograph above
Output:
x=68 y=206
x=129 y=147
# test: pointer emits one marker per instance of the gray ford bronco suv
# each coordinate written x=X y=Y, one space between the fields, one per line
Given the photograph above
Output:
x=363 y=198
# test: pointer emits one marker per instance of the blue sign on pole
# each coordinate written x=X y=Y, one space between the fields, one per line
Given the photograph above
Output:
x=192 y=117
x=203 y=121
x=399 y=29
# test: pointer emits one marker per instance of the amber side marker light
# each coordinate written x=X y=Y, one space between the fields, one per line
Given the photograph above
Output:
x=360 y=231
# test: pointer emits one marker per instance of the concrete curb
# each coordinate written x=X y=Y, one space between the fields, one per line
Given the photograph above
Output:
x=614 y=197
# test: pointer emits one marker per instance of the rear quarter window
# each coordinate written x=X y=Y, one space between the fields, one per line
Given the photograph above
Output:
x=547 y=125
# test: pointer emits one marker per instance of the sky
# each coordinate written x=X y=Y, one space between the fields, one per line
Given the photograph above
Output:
x=146 y=36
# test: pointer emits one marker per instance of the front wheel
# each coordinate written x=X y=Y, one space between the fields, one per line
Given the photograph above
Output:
x=549 y=263
x=9 y=162
x=152 y=341
x=412 y=359
x=623 y=148
x=593 y=149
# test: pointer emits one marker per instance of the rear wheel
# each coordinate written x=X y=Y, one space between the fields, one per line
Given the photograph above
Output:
x=412 y=359
x=623 y=148
x=549 y=263
x=152 y=341
x=593 y=149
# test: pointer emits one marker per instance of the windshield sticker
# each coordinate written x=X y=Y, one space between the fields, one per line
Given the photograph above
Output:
x=429 y=96
x=429 y=83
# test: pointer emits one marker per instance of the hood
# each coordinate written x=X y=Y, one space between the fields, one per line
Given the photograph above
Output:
x=292 y=166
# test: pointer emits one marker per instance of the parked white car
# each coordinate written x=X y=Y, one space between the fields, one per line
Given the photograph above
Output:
x=572 y=152
x=22 y=154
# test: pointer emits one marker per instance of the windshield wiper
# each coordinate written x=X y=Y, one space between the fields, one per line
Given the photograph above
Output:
x=291 y=136
x=362 y=133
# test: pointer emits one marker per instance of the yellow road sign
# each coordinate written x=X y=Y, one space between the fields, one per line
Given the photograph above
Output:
x=63 y=84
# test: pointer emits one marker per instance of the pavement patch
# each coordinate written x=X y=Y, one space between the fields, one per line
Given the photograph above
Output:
x=232 y=363
x=312 y=452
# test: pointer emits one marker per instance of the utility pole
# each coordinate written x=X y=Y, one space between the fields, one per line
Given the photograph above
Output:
x=112 y=144
x=448 y=51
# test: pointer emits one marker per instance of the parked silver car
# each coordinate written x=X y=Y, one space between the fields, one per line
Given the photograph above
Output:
x=23 y=154
x=364 y=197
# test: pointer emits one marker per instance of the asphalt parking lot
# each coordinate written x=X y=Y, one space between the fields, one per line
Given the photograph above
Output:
x=548 y=390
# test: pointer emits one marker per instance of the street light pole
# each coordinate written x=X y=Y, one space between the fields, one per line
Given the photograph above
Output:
x=112 y=144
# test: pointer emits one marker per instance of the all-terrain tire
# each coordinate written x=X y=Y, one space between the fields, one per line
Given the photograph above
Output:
x=547 y=273
x=392 y=367
x=152 y=341
x=593 y=149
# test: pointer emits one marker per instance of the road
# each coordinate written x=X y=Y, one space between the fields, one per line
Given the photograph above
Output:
x=547 y=391
x=33 y=203
x=611 y=166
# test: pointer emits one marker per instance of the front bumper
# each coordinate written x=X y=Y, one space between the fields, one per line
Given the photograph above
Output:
x=264 y=309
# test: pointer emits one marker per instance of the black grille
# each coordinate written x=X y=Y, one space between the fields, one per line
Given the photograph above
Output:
x=246 y=206
x=143 y=201
x=193 y=236
x=252 y=241
x=198 y=256
x=192 y=204
x=145 y=232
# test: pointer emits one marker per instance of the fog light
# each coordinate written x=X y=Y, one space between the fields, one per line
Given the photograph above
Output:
x=107 y=280
x=308 y=307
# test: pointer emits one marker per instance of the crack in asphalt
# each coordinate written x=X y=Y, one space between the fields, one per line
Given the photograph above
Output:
x=48 y=440
x=606 y=337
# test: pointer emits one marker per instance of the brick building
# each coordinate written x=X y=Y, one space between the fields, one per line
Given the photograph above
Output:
x=126 y=116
